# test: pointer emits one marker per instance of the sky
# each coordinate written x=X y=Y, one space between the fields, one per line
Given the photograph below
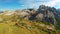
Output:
x=24 y=4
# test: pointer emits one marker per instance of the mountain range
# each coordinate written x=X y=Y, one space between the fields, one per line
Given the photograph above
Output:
x=44 y=20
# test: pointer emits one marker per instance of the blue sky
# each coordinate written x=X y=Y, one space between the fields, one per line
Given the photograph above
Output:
x=23 y=4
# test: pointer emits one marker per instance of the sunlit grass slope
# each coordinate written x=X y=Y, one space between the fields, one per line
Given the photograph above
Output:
x=13 y=24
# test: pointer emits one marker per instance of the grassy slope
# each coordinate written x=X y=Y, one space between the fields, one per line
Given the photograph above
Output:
x=24 y=29
x=7 y=29
x=13 y=24
x=58 y=23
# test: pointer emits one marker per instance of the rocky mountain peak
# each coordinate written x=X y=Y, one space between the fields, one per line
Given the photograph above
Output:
x=43 y=13
x=48 y=13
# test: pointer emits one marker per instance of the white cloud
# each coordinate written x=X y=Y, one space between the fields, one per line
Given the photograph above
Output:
x=22 y=5
x=52 y=3
x=35 y=4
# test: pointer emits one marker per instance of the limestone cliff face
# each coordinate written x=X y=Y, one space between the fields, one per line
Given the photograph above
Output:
x=48 y=14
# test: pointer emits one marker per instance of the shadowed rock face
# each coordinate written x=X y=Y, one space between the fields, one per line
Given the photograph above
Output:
x=48 y=14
